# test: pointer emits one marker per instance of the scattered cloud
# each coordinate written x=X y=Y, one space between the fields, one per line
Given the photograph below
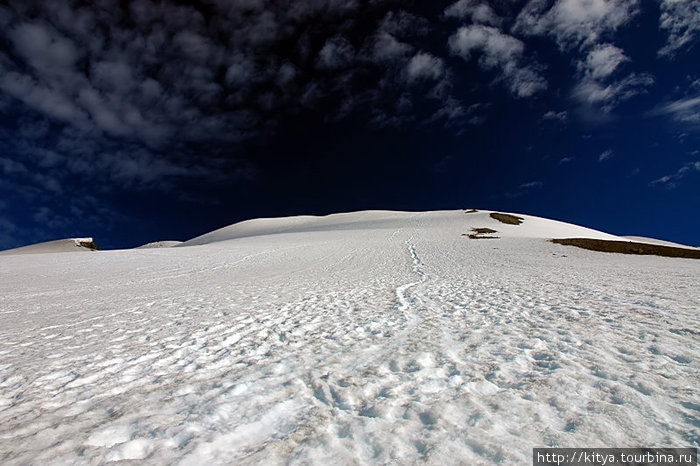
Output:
x=168 y=95
x=561 y=117
x=44 y=48
x=403 y=24
x=47 y=100
x=686 y=110
x=681 y=20
x=12 y=167
x=424 y=66
x=605 y=155
x=336 y=53
x=574 y=23
x=564 y=160
x=522 y=190
x=598 y=85
x=479 y=12
x=386 y=48
x=531 y=184
x=585 y=27
x=501 y=52
x=171 y=95
x=456 y=114
x=602 y=61
x=608 y=96
x=671 y=181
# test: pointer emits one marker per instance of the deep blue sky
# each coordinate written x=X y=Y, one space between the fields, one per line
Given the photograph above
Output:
x=151 y=120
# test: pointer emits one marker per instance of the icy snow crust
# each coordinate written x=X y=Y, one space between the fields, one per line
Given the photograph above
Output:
x=366 y=338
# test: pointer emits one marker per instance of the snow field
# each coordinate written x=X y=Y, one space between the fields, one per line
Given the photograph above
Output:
x=371 y=339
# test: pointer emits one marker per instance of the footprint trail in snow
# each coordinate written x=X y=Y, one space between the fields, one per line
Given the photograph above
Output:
x=373 y=337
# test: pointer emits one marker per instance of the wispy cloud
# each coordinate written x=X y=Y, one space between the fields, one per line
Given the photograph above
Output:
x=479 y=12
x=599 y=86
x=605 y=155
x=602 y=61
x=681 y=20
x=584 y=27
x=522 y=190
x=425 y=66
x=501 y=52
x=672 y=180
x=686 y=110
x=561 y=117
x=574 y=23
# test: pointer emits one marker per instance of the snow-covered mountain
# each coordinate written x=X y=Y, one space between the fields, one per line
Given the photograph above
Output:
x=160 y=244
x=449 y=222
x=61 y=245
x=361 y=338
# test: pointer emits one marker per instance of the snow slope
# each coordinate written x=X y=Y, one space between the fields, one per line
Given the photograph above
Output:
x=364 y=338
x=61 y=245
x=160 y=244
x=533 y=227
x=643 y=239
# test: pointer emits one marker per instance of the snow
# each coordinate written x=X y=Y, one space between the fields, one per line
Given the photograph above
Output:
x=642 y=239
x=160 y=244
x=371 y=338
x=61 y=245
x=533 y=227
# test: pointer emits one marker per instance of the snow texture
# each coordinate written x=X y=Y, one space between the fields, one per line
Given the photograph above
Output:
x=160 y=244
x=61 y=245
x=642 y=239
x=364 y=338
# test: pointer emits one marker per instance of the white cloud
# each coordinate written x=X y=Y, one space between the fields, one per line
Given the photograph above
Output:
x=102 y=113
x=113 y=76
x=602 y=61
x=12 y=167
x=424 y=66
x=336 y=53
x=583 y=25
x=574 y=22
x=43 y=48
x=453 y=110
x=501 y=52
x=671 y=181
x=194 y=46
x=239 y=72
x=684 y=110
x=286 y=74
x=531 y=184
x=498 y=48
x=45 y=99
x=605 y=155
x=562 y=116
x=681 y=20
x=607 y=96
x=597 y=86
x=478 y=12
x=386 y=47
x=403 y=25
